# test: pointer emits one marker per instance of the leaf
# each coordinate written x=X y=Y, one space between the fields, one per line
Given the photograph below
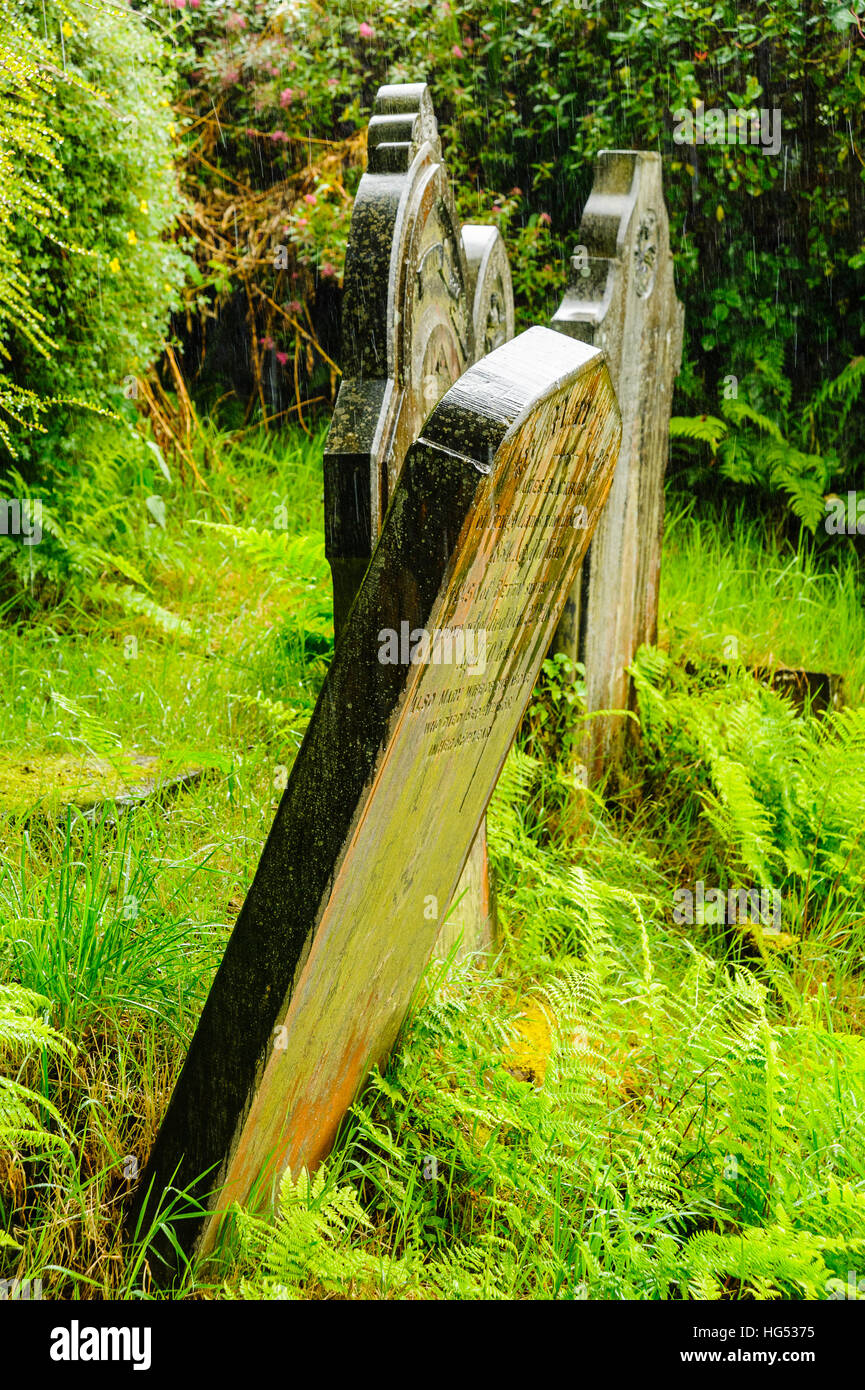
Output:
x=154 y=447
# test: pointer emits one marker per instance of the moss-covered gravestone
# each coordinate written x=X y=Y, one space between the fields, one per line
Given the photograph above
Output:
x=423 y=298
x=430 y=678
x=622 y=298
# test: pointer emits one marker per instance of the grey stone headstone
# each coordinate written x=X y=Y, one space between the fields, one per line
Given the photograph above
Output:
x=394 y=774
x=423 y=298
x=621 y=297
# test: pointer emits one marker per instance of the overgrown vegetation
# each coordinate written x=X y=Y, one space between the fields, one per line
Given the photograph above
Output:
x=622 y=1104
x=769 y=239
x=617 y=1107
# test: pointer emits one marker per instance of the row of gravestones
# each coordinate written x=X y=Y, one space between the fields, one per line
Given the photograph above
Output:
x=465 y=474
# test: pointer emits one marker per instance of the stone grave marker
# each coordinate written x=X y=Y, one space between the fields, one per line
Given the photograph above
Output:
x=621 y=297
x=423 y=298
x=423 y=698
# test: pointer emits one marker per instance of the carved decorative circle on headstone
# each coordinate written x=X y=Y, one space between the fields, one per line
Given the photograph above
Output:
x=646 y=255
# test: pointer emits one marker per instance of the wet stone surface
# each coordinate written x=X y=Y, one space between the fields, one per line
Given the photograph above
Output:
x=423 y=299
x=622 y=298
x=430 y=679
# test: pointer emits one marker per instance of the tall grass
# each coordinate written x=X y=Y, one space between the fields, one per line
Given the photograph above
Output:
x=615 y=1106
x=731 y=576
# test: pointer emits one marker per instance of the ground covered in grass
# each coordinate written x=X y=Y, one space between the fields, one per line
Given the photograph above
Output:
x=621 y=1104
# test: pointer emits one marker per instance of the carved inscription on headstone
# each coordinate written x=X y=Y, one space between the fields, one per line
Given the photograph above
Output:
x=398 y=764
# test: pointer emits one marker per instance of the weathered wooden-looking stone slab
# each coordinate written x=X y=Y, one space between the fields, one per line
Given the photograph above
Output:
x=401 y=756
x=622 y=298
x=423 y=298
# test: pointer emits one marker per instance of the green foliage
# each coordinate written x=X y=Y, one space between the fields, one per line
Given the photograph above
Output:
x=784 y=793
x=298 y=564
x=622 y=1123
x=24 y=139
x=92 y=150
x=770 y=247
x=23 y=1112
x=96 y=940
x=307 y=1250
x=753 y=449
x=617 y=1107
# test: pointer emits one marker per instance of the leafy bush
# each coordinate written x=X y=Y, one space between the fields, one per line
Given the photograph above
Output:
x=770 y=248
x=104 y=277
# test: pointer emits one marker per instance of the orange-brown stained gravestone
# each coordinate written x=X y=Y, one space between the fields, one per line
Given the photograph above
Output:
x=423 y=298
x=622 y=298
x=412 y=726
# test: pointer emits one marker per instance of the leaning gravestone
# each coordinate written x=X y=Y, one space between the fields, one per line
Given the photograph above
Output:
x=423 y=298
x=433 y=671
x=622 y=298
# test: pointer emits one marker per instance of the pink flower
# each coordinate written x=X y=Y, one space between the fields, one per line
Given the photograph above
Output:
x=457 y=51
x=282 y=358
x=235 y=21
x=294 y=306
x=310 y=198
x=365 y=30
x=278 y=135
x=267 y=343
x=327 y=269
x=333 y=82
x=195 y=4
x=177 y=4
x=286 y=97
x=545 y=219
x=230 y=77
x=303 y=222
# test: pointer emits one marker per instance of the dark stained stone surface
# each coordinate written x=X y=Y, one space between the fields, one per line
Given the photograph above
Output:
x=408 y=331
x=395 y=771
x=423 y=299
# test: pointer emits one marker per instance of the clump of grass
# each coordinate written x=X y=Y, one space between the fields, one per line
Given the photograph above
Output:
x=733 y=588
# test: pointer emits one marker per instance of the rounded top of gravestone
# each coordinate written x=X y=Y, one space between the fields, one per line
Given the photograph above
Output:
x=491 y=401
x=490 y=287
x=403 y=121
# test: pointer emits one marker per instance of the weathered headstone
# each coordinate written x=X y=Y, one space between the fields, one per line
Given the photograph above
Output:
x=414 y=721
x=423 y=298
x=621 y=297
